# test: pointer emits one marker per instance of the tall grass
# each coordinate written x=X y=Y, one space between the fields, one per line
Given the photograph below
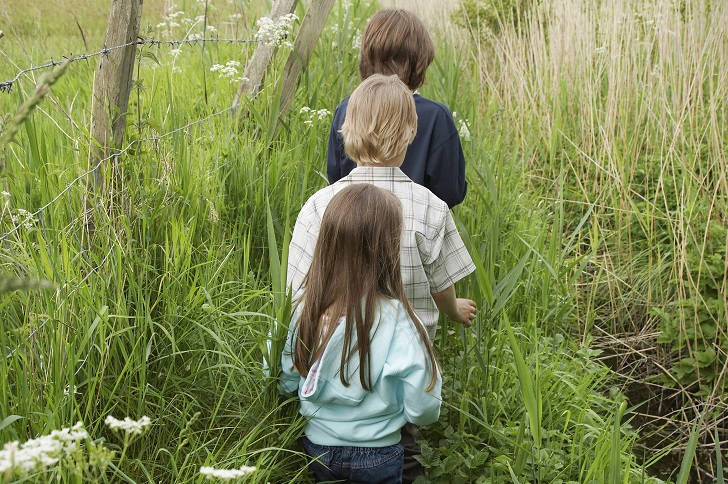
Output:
x=165 y=292
x=620 y=109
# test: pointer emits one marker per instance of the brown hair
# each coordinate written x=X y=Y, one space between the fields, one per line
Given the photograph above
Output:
x=380 y=122
x=395 y=41
x=356 y=262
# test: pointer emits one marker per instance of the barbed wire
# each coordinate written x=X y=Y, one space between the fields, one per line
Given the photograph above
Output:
x=7 y=86
x=89 y=172
x=102 y=161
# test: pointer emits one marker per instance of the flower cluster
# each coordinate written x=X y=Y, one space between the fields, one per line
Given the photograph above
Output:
x=463 y=127
x=42 y=452
x=226 y=474
x=228 y=71
x=276 y=32
x=314 y=115
x=24 y=218
x=128 y=425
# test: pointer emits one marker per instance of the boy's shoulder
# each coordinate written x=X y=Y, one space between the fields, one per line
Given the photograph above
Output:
x=431 y=107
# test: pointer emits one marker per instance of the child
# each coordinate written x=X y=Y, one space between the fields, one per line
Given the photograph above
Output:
x=380 y=123
x=395 y=41
x=357 y=355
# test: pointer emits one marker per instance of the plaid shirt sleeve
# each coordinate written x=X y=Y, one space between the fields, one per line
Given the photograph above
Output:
x=303 y=243
x=449 y=259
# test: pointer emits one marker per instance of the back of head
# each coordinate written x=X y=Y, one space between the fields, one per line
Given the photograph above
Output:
x=381 y=121
x=395 y=41
x=360 y=234
x=356 y=262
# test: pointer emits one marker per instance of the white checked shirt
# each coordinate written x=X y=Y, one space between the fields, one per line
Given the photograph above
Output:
x=433 y=255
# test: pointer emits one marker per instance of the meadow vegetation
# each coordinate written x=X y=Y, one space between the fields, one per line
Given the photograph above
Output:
x=595 y=135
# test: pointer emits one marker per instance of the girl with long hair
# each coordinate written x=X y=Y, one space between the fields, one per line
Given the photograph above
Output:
x=356 y=353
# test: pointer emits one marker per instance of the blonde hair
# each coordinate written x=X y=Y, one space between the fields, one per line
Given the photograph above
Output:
x=380 y=122
x=395 y=41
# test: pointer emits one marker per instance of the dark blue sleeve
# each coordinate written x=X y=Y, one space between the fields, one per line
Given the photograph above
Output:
x=445 y=170
x=336 y=157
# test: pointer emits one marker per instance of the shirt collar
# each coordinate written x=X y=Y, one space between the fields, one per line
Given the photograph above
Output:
x=378 y=173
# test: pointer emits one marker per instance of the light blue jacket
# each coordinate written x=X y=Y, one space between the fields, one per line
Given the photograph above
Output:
x=351 y=416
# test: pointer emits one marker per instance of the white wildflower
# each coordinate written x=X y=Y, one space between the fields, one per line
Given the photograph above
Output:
x=236 y=16
x=175 y=52
x=464 y=130
x=128 y=425
x=5 y=194
x=176 y=70
x=226 y=474
x=195 y=37
x=42 y=452
x=24 y=218
x=313 y=115
x=228 y=71
x=211 y=28
x=275 y=32
x=173 y=24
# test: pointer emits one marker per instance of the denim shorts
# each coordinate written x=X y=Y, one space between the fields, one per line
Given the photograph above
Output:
x=356 y=465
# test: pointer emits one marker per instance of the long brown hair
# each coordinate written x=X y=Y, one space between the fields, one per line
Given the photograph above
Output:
x=355 y=263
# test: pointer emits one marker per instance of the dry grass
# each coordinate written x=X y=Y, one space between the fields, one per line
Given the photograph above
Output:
x=435 y=13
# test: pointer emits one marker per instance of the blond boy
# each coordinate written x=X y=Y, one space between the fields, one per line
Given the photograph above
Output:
x=381 y=121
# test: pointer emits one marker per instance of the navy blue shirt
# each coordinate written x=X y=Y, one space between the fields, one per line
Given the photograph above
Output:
x=434 y=160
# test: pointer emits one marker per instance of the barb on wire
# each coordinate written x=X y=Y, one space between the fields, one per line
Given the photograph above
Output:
x=101 y=162
x=7 y=86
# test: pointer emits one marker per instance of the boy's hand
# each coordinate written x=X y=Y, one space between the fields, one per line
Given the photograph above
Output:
x=458 y=309
x=465 y=312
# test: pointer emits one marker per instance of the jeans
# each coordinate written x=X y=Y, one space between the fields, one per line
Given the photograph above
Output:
x=355 y=465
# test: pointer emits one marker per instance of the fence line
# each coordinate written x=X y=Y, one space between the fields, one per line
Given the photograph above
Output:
x=116 y=154
x=87 y=173
x=7 y=86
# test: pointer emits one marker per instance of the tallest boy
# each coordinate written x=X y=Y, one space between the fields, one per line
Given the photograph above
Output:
x=396 y=42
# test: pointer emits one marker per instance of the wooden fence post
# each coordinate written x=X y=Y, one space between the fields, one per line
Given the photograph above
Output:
x=258 y=64
x=311 y=27
x=113 y=82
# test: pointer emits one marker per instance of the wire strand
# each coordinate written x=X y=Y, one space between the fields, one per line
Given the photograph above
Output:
x=7 y=86
x=101 y=162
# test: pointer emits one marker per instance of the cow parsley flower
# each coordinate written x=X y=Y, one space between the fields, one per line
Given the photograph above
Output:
x=128 y=425
x=228 y=71
x=314 y=115
x=226 y=474
x=276 y=32
x=41 y=452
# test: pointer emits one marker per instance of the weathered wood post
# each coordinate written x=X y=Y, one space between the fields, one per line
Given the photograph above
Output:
x=262 y=57
x=311 y=27
x=113 y=82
